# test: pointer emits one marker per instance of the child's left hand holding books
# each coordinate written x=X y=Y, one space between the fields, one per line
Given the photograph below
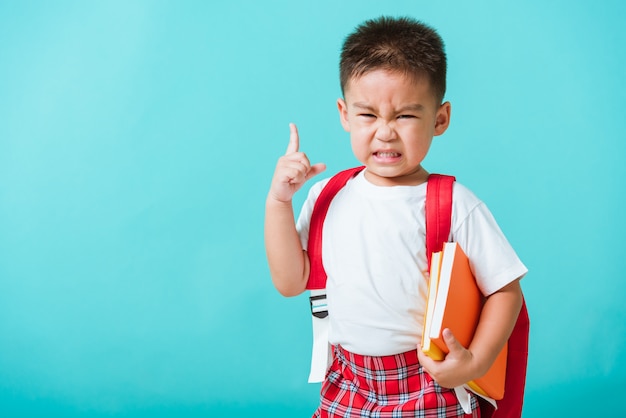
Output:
x=457 y=368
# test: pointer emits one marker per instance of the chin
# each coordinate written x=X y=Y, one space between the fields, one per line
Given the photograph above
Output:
x=389 y=176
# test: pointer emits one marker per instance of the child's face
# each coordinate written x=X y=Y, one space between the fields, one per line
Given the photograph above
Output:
x=392 y=119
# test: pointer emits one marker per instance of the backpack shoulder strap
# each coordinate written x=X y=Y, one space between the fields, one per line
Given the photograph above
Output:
x=438 y=211
x=321 y=353
x=317 y=274
x=438 y=221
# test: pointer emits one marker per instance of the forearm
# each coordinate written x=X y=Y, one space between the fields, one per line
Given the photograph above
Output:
x=287 y=261
x=496 y=323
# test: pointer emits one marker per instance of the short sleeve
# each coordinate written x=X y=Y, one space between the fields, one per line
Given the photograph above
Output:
x=304 y=219
x=493 y=260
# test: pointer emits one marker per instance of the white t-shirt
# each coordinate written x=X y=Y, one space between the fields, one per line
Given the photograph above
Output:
x=374 y=254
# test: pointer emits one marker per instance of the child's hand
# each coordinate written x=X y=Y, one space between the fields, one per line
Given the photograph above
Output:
x=292 y=170
x=456 y=369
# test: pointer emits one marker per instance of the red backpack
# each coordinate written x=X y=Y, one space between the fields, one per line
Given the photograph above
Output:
x=438 y=222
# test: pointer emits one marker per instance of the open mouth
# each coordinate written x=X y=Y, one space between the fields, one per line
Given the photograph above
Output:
x=387 y=154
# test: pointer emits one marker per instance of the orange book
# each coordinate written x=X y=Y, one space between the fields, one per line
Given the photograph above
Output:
x=455 y=302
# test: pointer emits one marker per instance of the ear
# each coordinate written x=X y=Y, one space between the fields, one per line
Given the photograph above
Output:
x=343 y=114
x=442 y=119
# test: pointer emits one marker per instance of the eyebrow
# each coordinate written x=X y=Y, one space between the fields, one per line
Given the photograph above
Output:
x=415 y=107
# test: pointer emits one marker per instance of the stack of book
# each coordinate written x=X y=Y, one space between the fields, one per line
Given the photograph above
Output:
x=455 y=302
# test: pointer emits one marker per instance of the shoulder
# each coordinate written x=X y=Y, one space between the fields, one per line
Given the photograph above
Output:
x=316 y=188
x=469 y=211
x=463 y=199
x=335 y=182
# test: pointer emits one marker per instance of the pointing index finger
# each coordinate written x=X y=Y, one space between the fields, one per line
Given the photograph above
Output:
x=294 y=139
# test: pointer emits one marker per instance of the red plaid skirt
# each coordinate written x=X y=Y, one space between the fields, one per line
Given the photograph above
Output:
x=385 y=387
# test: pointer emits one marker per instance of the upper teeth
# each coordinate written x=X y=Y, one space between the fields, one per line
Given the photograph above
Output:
x=387 y=154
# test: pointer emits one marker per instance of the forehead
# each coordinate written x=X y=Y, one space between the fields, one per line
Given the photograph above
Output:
x=390 y=87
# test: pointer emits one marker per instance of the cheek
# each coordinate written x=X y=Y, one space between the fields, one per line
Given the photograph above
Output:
x=360 y=145
x=362 y=130
x=421 y=149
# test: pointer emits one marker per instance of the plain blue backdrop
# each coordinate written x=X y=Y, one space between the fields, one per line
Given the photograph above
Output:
x=137 y=142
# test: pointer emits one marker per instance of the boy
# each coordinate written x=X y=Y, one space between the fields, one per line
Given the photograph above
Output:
x=393 y=75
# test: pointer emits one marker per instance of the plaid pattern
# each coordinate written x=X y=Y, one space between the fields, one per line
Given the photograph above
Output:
x=385 y=387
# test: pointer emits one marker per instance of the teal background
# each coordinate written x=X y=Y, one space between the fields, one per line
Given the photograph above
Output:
x=137 y=142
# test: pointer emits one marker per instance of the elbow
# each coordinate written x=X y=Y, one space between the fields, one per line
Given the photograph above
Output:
x=289 y=289
x=288 y=293
x=289 y=281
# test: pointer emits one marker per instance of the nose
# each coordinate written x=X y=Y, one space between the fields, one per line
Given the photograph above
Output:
x=385 y=132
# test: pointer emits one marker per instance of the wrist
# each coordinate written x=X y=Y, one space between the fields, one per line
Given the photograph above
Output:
x=272 y=202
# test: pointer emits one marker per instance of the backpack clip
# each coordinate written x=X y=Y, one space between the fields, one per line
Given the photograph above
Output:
x=319 y=306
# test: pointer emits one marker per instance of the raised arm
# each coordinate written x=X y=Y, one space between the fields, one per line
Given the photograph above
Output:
x=289 y=264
